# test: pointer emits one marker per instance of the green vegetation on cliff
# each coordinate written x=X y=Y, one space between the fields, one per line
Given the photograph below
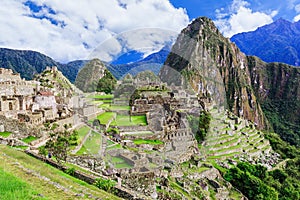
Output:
x=277 y=87
x=282 y=182
x=107 y=83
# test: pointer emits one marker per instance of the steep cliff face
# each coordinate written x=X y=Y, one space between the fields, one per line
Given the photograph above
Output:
x=215 y=68
x=276 y=85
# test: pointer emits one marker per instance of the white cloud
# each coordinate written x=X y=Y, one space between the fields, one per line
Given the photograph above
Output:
x=68 y=29
x=296 y=18
x=144 y=40
x=297 y=8
x=241 y=18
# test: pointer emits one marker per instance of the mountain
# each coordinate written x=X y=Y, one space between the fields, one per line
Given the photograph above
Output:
x=88 y=77
x=28 y=63
x=71 y=69
x=276 y=42
x=215 y=68
x=152 y=62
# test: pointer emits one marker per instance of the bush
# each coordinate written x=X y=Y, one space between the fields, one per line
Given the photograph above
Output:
x=105 y=184
x=70 y=171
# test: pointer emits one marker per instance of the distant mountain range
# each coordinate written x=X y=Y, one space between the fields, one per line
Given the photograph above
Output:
x=153 y=62
x=276 y=42
x=28 y=63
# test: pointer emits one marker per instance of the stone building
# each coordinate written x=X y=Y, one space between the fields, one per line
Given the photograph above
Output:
x=27 y=101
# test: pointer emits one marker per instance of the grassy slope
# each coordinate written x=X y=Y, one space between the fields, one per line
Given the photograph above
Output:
x=12 y=187
x=33 y=173
x=92 y=144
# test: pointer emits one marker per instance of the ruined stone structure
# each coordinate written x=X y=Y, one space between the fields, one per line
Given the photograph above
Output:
x=31 y=102
x=167 y=118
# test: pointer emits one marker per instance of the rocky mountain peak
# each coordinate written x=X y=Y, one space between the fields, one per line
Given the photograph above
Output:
x=215 y=68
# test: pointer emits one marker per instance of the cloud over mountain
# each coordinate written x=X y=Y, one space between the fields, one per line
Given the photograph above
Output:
x=239 y=17
x=70 y=30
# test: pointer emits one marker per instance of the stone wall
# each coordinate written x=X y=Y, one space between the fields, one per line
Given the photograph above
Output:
x=12 y=142
x=94 y=164
x=120 y=191
x=46 y=102
x=140 y=182
x=20 y=130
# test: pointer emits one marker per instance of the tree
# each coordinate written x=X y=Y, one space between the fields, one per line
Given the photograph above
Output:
x=204 y=124
x=107 y=83
x=250 y=185
x=59 y=144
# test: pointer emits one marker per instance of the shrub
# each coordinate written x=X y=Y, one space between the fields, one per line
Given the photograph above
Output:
x=105 y=184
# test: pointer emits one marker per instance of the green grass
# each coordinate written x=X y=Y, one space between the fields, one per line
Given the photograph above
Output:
x=92 y=144
x=29 y=139
x=123 y=165
x=234 y=140
x=115 y=146
x=119 y=107
x=12 y=187
x=104 y=106
x=120 y=163
x=21 y=147
x=107 y=96
x=14 y=162
x=125 y=120
x=5 y=134
x=229 y=148
x=82 y=133
x=77 y=168
x=114 y=107
x=97 y=102
x=179 y=189
x=105 y=117
x=109 y=142
x=82 y=151
x=222 y=156
x=117 y=159
x=151 y=142
x=139 y=133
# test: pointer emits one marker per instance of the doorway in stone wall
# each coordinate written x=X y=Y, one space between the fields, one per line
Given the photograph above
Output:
x=10 y=106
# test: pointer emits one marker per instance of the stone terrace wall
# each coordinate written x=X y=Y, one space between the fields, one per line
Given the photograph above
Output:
x=120 y=191
x=132 y=128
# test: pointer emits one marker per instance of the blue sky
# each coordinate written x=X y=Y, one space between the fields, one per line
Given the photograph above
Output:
x=286 y=9
x=69 y=30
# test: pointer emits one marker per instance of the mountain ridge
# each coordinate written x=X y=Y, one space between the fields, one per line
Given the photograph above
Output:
x=275 y=42
x=28 y=63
